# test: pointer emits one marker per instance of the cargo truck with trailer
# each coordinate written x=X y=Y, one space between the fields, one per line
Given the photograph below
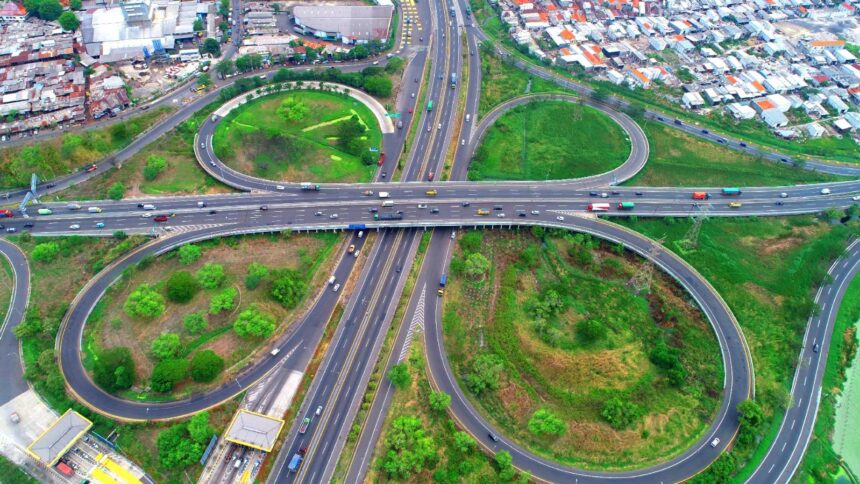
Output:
x=598 y=207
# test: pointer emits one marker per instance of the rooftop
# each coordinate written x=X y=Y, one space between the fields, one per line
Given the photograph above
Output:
x=57 y=439
x=254 y=430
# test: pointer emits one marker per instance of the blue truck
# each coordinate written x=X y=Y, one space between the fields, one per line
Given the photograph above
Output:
x=295 y=462
x=443 y=280
x=357 y=227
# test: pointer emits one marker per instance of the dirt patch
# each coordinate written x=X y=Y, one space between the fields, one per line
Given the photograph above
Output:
x=780 y=245
x=763 y=295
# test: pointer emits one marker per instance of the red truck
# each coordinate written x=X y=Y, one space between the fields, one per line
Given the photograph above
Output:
x=381 y=159
x=64 y=469
x=701 y=195
x=5 y=213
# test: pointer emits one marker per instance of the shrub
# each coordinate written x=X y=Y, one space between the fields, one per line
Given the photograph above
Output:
x=545 y=422
x=399 y=375
x=477 y=265
x=116 y=191
x=46 y=252
x=155 y=165
x=439 y=401
x=485 y=372
x=206 y=365
x=181 y=287
x=189 y=253
x=144 y=302
x=167 y=374
x=224 y=300
x=590 y=330
x=176 y=449
x=256 y=273
x=195 y=322
x=199 y=428
x=408 y=448
x=619 y=413
x=288 y=288
x=114 y=369
x=254 y=324
x=165 y=346
x=211 y=275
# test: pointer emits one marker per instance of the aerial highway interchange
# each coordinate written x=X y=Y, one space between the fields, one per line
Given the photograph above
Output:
x=446 y=206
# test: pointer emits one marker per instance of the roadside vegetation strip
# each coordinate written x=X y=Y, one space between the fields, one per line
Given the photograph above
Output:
x=542 y=349
x=524 y=143
x=680 y=159
x=748 y=261
x=300 y=135
x=835 y=436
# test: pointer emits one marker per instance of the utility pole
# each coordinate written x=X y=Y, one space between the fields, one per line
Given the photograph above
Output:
x=691 y=238
x=644 y=277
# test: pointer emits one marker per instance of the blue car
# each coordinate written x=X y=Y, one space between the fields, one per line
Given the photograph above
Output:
x=100 y=225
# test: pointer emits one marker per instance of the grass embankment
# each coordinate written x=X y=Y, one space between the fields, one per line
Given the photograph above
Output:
x=842 y=149
x=525 y=144
x=12 y=474
x=566 y=334
x=767 y=270
x=111 y=326
x=6 y=281
x=501 y=81
x=74 y=150
x=256 y=139
x=679 y=159
x=821 y=461
x=182 y=174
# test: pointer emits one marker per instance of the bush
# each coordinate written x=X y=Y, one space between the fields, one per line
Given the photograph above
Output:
x=195 y=322
x=223 y=301
x=205 y=366
x=408 y=448
x=378 y=86
x=144 y=302
x=619 y=413
x=590 y=330
x=288 y=287
x=211 y=275
x=254 y=324
x=181 y=287
x=176 y=449
x=256 y=273
x=399 y=375
x=45 y=252
x=165 y=346
x=189 y=253
x=477 y=265
x=155 y=165
x=167 y=374
x=439 y=401
x=545 y=422
x=485 y=372
x=114 y=369
x=199 y=428
x=116 y=191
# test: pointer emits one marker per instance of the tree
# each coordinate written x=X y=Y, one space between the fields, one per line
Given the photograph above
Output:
x=395 y=65
x=288 y=287
x=204 y=79
x=69 y=21
x=225 y=67
x=211 y=275
x=245 y=63
x=590 y=330
x=211 y=46
x=223 y=301
x=198 y=25
x=291 y=109
x=116 y=191
x=399 y=375
x=176 y=449
x=195 y=322
x=144 y=302
x=477 y=265
x=463 y=443
x=506 y=465
x=114 y=369
x=199 y=428
x=45 y=252
x=360 y=51
x=167 y=374
x=720 y=471
x=485 y=372
x=223 y=26
x=75 y=4
x=409 y=449
x=224 y=8
x=252 y=323
x=189 y=254
x=181 y=287
x=155 y=165
x=750 y=415
x=619 y=414
x=378 y=86
x=256 y=273
x=206 y=365
x=49 y=10
x=544 y=422
x=439 y=401
x=165 y=346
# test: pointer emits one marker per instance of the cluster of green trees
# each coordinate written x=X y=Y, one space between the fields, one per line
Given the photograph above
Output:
x=210 y=46
x=349 y=139
x=292 y=109
x=114 y=369
x=116 y=191
x=44 y=9
x=183 y=444
x=668 y=359
x=254 y=323
x=371 y=79
x=409 y=449
x=722 y=470
x=485 y=373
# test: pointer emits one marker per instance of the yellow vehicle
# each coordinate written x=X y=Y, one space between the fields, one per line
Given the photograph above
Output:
x=432 y=193
x=481 y=211
x=440 y=292
x=735 y=205
x=351 y=248
x=200 y=89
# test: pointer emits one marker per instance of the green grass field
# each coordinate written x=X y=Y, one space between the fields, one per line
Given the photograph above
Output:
x=549 y=140
x=500 y=82
x=12 y=474
x=767 y=270
x=678 y=159
x=550 y=363
x=255 y=139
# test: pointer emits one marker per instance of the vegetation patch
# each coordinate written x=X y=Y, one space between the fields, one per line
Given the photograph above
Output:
x=525 y=144
x=188 y=320
x=501 y=81
x=551 y=343
x=301 y=135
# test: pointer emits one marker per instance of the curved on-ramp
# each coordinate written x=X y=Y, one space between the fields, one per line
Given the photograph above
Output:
x=13 y=383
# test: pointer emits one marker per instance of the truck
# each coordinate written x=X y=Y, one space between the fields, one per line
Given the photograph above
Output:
x=453 y=80
x=294 y=463
x=482 y=211
x=598 y=207
x=357 y=227
x=304 y=426
x=384 y=195
x=388 y=216
x=443 y=280
x=310 y=187
x=430 y=105
x=731 y=192
x=5 y=213
x=626 y=206
x=44 y=211
x=701 y=195
x=64 y=469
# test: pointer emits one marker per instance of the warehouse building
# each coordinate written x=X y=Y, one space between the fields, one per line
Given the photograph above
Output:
x=347 y=24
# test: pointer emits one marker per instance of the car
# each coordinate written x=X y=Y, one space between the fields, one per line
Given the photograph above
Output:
x=735 y=205
x=521 y=214
x=319 y=411
x=2 y=226
x=784 y=160
x=825 y=191
x=11 y=230
x=815 y=348
x=592 y=194
x=434 y=210
x=384 y=174
x=280 y=187
x=742 y=144
x=161 y=218
x=615 y=192
x=146 y=215
x=704 y=131
x=856 y=198
x=410 y=109
x=639 y=194
x=659 y=118
x=604 y=195
x=535 y=212
x=560 y=218
x=333 y=216
x=336 y=287
x=462 y=142
x=721 y=140
x=318 y=214
x=493 y=437
x=440 y=292
x=498 y=207
x=429 y=128
x=100 y=225
x=28 y=224
x=431 y=193
x=466 y=204
x=715 y=442
x=213 y=212
x=74 y=226
x=453 y=234
x=373 y=210
x=398 y=269
x=422 y=205
x=779 y=202
x=264 y=207
x=783 y=195
x=416 y=79
x=501 y=215
x=430 y=176
x=92 y=168
x=139 y=205
x=440 y=126
x=351 y=249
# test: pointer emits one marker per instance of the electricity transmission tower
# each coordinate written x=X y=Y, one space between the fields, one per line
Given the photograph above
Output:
x=644 y=277
x=691 y=238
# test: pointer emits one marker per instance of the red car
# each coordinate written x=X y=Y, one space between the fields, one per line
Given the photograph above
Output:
x=161 y=218
x=91 y=168
x=410 y=110
x=430 y=176
x=381 y=159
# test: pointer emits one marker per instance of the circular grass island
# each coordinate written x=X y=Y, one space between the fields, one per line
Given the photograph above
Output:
x=300 y=135
x=549 y=140
x=555 y=349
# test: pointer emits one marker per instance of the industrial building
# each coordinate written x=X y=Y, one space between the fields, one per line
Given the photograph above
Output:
x=347 y=24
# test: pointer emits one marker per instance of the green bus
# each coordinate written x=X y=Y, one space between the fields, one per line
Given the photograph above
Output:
x=731 y=191
x=430 y=105
x=626 y=206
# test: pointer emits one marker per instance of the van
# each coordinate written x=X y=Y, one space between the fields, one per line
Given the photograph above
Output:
x=148 y=206
x=388 y=203
x=94 y=210
x=73 y=206
x=331 y=280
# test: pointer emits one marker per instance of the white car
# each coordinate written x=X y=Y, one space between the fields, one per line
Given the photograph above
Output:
x=501 y=215
x=422 y=205
x=783 y=195
x=604 y=195
x=560 y=218
x=74 y=226
x=715 y=442
x=279 y=187
x=333 y=216
x=146 y=214
x=453 y=234
x=336 y=287
x=535 y=212
x=855 y=198
x=825 y=191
